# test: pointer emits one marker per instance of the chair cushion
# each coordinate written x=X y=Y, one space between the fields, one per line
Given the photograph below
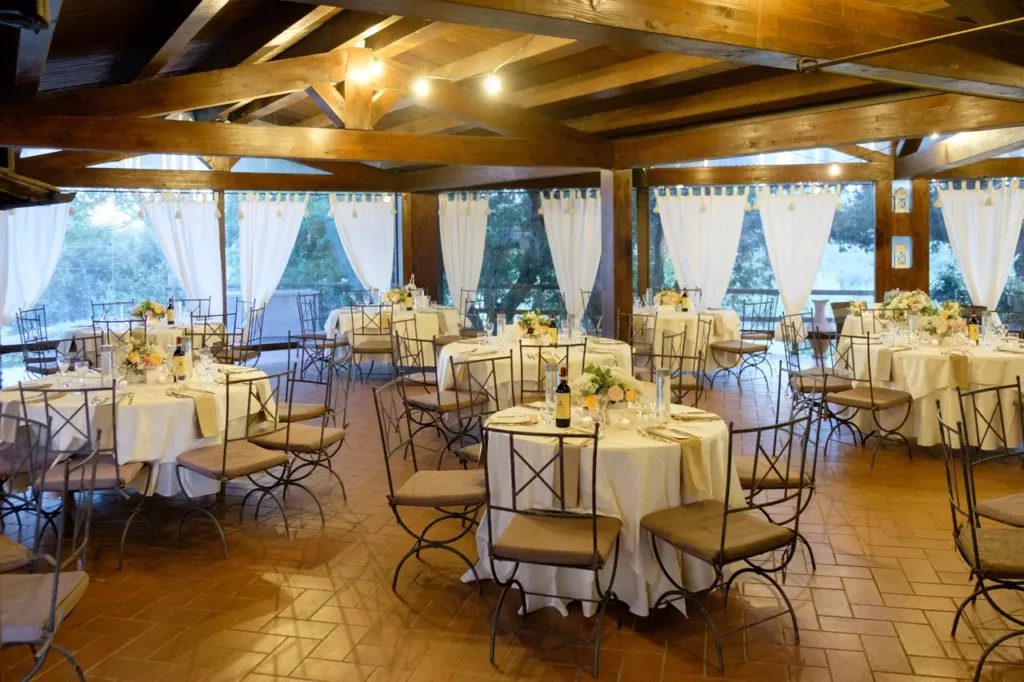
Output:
x=229 y=355
x=445 y=401
x=642 y=373
x=768 y=478
x=813 y=380
x=242 y=458
x=445 y=339
x=376 y=346
x=757 y=336
x=741 y=347
x=697 y=529
x=470 y=333
x=1008 y=509
x=861 y=398
x=25 y=601
x=420 y=378
x=300 y=438
x=106 y=476
x=685 y=382
x=1001 y=551
x=14 y=460
x=13 y=555
x=442 y=489
x=470 y=453
x=321 y=341
x=565 y=541
x=300 y=412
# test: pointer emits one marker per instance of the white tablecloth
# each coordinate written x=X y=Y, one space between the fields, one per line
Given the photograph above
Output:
x=159 y=336
x=636 y=476
x=154 y=427
x=429 y=323
x=725 y=326
x=599 y=352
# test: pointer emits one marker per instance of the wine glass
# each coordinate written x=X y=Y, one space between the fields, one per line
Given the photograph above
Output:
x=81 y=368
x=62 y=366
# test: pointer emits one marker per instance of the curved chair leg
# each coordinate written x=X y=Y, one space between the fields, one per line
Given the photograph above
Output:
x=71 y=659
x=992 y=647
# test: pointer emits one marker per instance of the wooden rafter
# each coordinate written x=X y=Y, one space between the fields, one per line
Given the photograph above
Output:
x=461 y=177
x=329 y=101
x=199 y=17
x=755 y=32
x=729 y=175
x=292 y=34
x=33 y=49
x=216 y=180
x=960 y=150
x=860 y=152
x=143 y=136
x=1012 y=167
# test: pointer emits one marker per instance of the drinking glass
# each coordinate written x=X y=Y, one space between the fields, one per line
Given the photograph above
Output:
x=81 y=368
x=1013 y=339
x=649 y=296
x=62 y=366
x=499 y=325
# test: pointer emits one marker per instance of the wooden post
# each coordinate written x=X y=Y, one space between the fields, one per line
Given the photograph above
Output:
x=421 y=243
x=222 y=229
x=888 y=225
x=643 y=231
x=615 y=273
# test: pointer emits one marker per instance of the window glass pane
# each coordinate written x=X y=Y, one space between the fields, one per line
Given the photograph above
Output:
x=945 y=281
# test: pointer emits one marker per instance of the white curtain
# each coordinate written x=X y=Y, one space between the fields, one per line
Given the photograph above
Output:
x=702 y=234
x=31 y=241
x=983 y=227
x=463 y=222
x=572 y=221
x=189 y=235
x=366 y=226
x=796 y=230
x=267 y=228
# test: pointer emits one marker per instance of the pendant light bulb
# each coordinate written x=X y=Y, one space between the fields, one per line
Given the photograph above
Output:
x=492 y=84
x=421 y=87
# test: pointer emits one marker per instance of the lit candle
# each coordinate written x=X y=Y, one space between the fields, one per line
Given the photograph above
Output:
x=625 y=423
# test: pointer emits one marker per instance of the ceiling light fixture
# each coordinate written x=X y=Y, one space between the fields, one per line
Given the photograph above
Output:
x=358 y=75
x=492 y=84
x=376 y=68
x=834 y=170
x=934 y=136
x=421 y=87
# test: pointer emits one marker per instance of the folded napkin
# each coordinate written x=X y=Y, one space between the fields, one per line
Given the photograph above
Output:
x=1005 y=349
x=512 y=419
x=26 y=385
x=959 y=369
x=696 y=417
x=206 y=411
x=883 y=365
x=601 y=341
x=690 y=470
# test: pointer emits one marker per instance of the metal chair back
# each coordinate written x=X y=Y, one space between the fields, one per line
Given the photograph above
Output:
x=112 y=310
x=395 y=426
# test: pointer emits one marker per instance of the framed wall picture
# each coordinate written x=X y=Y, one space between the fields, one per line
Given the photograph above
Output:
x=902 y=253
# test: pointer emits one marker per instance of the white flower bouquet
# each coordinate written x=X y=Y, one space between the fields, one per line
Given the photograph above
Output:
x=533 y=323
x=149 y=310
x=897 y=303
x=395 y=296
x=668 y=297
x=858 y=307
x=604 y=384
x=139 y=357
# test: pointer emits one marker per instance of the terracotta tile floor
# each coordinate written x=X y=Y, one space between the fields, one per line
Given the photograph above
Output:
x=318 y=605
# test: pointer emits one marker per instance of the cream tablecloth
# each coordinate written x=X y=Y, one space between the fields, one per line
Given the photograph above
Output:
x=636 y=475
x=429 y=323
x=725 y=326
x=153 y=427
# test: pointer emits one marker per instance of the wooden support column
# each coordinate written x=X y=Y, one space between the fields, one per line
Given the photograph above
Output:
x=643 y=230
x=888 y=225
x=615 y=275
x=421 y=242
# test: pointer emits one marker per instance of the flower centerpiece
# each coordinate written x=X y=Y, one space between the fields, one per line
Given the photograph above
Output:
x=600 y=386
x=668 y=297
x=532 y=323
x=139 y=358
x=149 y=310
x=858 y=307
x=396 y=296
x=939 y=320
x=942 y=320
x=897 y=303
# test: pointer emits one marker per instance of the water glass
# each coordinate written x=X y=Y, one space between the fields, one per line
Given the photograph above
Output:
x=1012 y=340
x=664 y=395
x=649 y=297
x=62 y=366
x=81 y=368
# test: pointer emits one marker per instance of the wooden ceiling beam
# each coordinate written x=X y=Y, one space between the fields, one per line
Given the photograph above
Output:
x=756 y=32
x=745 y=175
x=329 y=101
x=291 y=35
x=467 y=177
x=359 y=83
x=383 y=101
x=56 y=160
x=987 y=11
x=144 y=135
x=33 y=50
x=888 y=120
x=182 y=36
x=215 y=180
x=790 y=90
x=869 y=155
x=960 y=150
x=405 y=35
x=1012 y=167
x=184 y=93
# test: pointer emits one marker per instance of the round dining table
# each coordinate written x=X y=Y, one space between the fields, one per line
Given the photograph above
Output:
x=636 y=474
x=153 y=424
x=725 y=326
x=429 y=323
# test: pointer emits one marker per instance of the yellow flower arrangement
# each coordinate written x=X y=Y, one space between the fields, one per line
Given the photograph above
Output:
x=140 y=357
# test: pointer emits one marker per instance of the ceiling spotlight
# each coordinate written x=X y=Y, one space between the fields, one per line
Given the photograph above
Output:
x=376 y=68
x=934 y=136
x=705 y=163
x=358 y=75
x=492 y=84
x=421 y=87
x=833 y=170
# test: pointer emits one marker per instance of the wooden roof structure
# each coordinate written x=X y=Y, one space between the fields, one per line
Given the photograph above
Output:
x=585 y=85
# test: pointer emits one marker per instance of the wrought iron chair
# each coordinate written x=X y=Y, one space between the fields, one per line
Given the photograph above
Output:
x=415 y=359
x=474 y=313
x=113 y=310
x=24 y=456
x=537 y=356
x=750 y=351
x=842 y=406
x=34 y=605
x=722 y=534
x=533 y=521
x=758 y=317
x=592 y=317
x=994 y=555
x=193 y=307
x=457 y=494
x=806 y=384
x=118 y=332
x=639 y=331
x=370 y=335
x=311 y=317
x=37 y=351
x=840 y=311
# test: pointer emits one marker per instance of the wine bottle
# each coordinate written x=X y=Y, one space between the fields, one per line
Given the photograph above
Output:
x=170 y=313
x=973 y=326
x=179 y=362
x=686 y=300
x=563 y=400
x=408 y=300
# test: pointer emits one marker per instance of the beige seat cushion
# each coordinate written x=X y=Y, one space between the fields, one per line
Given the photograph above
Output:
x=768 y=478
x=375 y=346
x=107 y=476
x=757 y=336
x=229 y=355
x=1001 y=551
x=861 y=398
x=468 y=333
x=739 y=347
x=13 y=555
x=14 y=460
x=243 y=458
x=445 y=339
x=321 y=341
x=685 y=382
x=814 y=380
x=25 y=601
x=300 y=438
x=445 y=401
x=697 y=529
x=565 y=541
x=642 y=373
x=1008 y=509
x=301 y=412
x=470 y=453
x=420 y=378
x=442 y=489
